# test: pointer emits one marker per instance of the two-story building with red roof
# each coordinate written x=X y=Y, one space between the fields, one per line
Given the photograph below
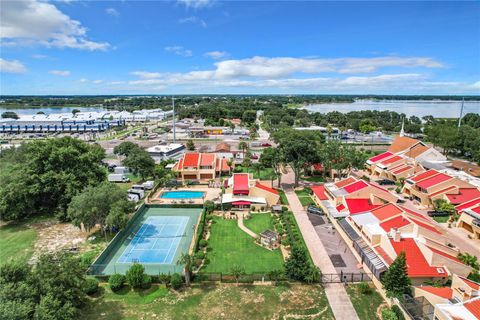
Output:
x=201 y=166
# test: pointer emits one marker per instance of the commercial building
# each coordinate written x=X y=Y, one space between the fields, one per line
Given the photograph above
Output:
x=201 y=166
x=331 y=133
x=172 y=151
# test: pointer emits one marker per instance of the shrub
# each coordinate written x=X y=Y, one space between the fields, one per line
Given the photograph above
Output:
x=388 y=314
x=398 y=312
x=146 y=281
x=200 y=255
x=364 y=288
x=116 y=282
x=135 y=275
x=164 y=278
x=202 y=243
x=91 y=286
x=176 y=281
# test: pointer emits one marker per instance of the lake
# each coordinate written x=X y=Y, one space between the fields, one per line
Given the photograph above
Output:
x=29 y=111
x=419 y=108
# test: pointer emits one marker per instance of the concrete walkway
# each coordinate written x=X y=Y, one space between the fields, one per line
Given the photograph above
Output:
x=245 y=229
x=336 y=294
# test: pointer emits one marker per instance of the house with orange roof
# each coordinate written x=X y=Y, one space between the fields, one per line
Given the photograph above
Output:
x=350 y=195
x=469 y=218
x=243 y=192
x=402 y=159
x=431 y=185
x=467 y=310
x=201 y=166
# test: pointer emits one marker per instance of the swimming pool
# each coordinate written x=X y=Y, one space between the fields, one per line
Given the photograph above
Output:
x=182 y=195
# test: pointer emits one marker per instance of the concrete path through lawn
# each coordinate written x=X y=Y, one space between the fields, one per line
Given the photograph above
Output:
x=245 y=229
x=336 y=294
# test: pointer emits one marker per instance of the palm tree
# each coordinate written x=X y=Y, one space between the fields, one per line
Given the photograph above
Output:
x=187 y=261
x=243 y=146
x=257 y=167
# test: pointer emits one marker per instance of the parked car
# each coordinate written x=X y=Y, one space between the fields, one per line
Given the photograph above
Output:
x=315 y=210
x=438 y=214
x=385 y=182
x=266 y=144
x=254 y=156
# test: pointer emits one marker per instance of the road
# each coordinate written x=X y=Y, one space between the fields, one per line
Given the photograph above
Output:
x=336 y=294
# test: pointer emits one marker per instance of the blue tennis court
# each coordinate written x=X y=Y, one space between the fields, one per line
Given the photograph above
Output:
x=156 y=241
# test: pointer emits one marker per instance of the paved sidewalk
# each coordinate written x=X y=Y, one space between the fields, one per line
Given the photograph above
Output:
x=245 y=229
x=336 y=294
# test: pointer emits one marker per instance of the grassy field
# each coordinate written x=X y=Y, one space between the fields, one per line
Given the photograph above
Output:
x=16 y=242
x=263 y=174
x=259 y=222
x=211 y=301
x=365 y=305
x=229 y=246
x=283 y=197
x=304 y=197
x=441 y=219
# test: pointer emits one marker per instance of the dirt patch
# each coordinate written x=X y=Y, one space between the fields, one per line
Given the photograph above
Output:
x=54 y=236
x=380 y=308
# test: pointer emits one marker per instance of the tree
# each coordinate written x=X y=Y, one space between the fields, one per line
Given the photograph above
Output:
x=341 y=157
x=50 y=308
x=257 y=167
x=367 y=126
x=190 y=145
x=135 y=275
x=271 y=158
x=469 y=260
x=41 y=177
x=10 y=115
x=237 y=271
x=243 y=146
x=298 y=148
x=249 y=116
x=75 y=111
x=105 y=204
x=141 y=163
x=275 y=275
x=297 y=266
x=441 y=205
x=125 y=148
x=395 y=280
x=187 y=261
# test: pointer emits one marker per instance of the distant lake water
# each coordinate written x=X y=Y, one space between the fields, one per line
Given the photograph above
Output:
x=30 y=111
x=420 y=108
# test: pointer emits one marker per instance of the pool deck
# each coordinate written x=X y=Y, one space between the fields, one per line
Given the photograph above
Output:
x=209 y=194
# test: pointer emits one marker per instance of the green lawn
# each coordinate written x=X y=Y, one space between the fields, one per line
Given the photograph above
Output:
x=210 y=301
x=365 y=305
x=441 y=219
x=264 y=174
x=259 y=222
x=229 y=246
x=16 y=242
x=283 y=197
x=313 y=179
x=304 y=197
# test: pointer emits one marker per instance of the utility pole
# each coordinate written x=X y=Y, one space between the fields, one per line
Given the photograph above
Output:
x=174 y=133
x=461 y=115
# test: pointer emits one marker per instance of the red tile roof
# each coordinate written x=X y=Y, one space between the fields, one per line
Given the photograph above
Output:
x=467 y=205
x=425 y=225
x=207 y=159
x=396 y=222
x=386 y=211
x=391 y=160
x=340 y=207
x=381 y=156
x=417 y=214
x=384 y=255
x=402 y=144
x=434 y=180
x=445 y=292
x=319 y=191
x=473 y=306
x=345 y=182
x=179 y=165
x=359 y=205
x=264 y=187
x=476 y=209
x=417 y=265
x=470 y=283
x=222 y=165
x=191 y=160
x=355 y=186
x=424 y=175
x=464 y=195
x=445 y=190
x=446 y=255
x=402 y=169
x=240 y=183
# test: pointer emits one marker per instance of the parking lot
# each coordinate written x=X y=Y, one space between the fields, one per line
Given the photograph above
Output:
x=338 y=251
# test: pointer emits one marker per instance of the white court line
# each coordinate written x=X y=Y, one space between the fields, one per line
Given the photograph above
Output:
x=136 y=238
x=153 y=246
x=184 y=226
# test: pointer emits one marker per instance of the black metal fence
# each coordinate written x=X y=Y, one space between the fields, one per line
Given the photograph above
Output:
x=342 y=277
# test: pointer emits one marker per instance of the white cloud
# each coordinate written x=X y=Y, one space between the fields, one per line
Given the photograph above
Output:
x=179 y=50
x=193 y=19
x=112 y=12
x=146 y=74
x=196 y=4
x=39 y=56
x=97 y=81
x=217 y=55
x=36 y=22
x=61 y=73
x=12 y=66
x=83 y=80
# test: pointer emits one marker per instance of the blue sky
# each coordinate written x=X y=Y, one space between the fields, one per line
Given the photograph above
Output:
x=204 y=46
